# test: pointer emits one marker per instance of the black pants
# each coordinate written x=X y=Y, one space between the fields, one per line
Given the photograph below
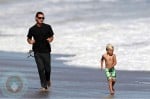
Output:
x=43 y=61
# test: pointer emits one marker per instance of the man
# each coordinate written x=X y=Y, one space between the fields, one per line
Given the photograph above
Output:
x=40 y=36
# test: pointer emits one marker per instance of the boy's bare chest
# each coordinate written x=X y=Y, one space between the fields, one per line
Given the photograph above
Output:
x=109 y=58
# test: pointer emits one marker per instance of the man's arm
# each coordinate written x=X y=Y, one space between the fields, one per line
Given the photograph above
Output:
x=114 y=60
x=50 y=34
x=30 y=41
x=30 y=38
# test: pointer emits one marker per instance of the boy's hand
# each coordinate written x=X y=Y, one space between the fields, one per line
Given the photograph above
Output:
x=101 y=68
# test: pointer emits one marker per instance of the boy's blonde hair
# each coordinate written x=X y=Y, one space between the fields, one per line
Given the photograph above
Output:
x=109 y=46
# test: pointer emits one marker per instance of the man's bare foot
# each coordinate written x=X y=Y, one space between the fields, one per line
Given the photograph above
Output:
x=43 y=89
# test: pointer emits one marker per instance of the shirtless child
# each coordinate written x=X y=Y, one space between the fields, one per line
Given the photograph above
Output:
x=110 y=61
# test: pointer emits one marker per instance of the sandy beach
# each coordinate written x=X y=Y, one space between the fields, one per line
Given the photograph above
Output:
x=71 y=82
x=82 y=28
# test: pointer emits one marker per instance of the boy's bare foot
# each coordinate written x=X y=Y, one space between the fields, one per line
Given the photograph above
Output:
x=112 y=93
x=113 y=89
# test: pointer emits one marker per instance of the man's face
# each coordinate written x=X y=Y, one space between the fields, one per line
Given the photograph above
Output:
x=40 y=18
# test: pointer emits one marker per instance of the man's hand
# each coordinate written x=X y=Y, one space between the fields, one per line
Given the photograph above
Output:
x=50 y=39
x=31 y=41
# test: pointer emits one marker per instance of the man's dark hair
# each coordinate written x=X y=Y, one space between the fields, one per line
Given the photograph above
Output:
x=39 y=13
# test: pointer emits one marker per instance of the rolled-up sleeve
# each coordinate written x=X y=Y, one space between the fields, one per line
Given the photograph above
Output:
x=50 y=32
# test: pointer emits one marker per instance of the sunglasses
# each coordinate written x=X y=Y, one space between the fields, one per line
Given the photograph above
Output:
x=41 y=18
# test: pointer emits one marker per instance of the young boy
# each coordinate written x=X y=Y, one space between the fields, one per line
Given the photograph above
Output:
x=110 y=61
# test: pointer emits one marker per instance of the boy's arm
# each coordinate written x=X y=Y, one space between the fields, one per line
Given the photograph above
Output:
x=114 y=60
x=102 y=60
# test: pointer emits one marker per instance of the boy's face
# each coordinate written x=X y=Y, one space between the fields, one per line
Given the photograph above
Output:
x=110 y=52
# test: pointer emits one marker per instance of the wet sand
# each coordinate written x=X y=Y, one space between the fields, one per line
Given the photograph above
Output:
x=71 y=82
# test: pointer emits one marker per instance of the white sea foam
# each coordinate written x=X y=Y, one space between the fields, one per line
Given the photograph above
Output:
x=83 y=28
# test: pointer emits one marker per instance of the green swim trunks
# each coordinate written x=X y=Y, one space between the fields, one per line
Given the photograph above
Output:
x=110 y=73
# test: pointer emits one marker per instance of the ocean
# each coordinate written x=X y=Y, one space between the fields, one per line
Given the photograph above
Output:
x=82 y=29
